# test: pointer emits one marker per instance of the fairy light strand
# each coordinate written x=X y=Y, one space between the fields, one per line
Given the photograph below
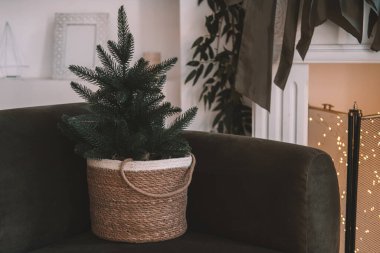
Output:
x=330 y=129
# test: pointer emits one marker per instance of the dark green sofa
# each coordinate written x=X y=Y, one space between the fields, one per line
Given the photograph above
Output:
x=247 y=194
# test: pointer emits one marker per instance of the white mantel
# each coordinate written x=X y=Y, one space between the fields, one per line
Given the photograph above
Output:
x=18 y=92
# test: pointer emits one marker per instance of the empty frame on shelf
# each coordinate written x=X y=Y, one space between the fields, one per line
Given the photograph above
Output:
x=75 y=38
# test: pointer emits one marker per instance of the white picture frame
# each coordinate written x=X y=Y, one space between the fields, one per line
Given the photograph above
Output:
x=76 y=36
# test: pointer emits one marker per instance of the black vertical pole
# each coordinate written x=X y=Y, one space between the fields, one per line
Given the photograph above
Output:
x=354 y=120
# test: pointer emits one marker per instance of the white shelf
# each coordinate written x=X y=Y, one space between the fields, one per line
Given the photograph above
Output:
x=20 y=92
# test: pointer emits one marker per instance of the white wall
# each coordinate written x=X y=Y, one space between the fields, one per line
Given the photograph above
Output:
x=160 y=32
x=192 y=19
x=32 y=23
x=154 y=24
x=342 y=84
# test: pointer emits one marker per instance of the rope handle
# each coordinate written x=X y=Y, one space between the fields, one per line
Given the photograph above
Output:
x=189 y=174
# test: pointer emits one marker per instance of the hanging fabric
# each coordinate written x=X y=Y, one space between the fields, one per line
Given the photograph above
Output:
x=348 y=14
x=353 y=12
x=374 y=17
x=288 y=42
x=254 y=75
x=314 y=13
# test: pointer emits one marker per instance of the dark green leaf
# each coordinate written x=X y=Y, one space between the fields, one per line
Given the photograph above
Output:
x=212 y=5
x=193 y=63
x=210 y=80
x=205 y=99
x=226 y=28
x=204 y=56
x=197 y=42
x=197 y=51
x=217 y=119
x=203 y=92
x=208 y=70
x=191 y=76
x=211 y=52
x=198 y=74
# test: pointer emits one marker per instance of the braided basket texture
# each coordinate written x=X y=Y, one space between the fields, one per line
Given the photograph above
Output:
x=139 y=201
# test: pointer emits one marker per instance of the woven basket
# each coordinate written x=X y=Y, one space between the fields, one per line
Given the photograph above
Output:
x=139 y=201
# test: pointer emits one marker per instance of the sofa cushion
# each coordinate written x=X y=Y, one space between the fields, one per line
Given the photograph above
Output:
x=190 y=242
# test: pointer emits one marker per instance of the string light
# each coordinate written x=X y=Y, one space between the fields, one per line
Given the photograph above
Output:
x=328 y=129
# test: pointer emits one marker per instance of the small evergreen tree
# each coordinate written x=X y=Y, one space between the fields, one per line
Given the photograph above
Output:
x=126 y=115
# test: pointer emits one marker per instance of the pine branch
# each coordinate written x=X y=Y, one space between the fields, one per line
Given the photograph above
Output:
x=127 y=114
x=163 y=111
x=182 y=121
x=123 y=28
x=106 y=59
x=163 y=67
x=85 y=73
x=82 y=91
x=115 y=51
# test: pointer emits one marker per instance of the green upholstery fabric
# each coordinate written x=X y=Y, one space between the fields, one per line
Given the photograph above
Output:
x=247 y=194
x=43 y=190
x=268 y=193
x=190 y=242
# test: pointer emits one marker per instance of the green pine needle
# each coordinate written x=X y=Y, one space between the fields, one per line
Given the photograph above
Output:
x=126 y=114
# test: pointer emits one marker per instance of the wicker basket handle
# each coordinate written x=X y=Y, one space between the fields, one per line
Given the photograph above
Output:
x=159 y=195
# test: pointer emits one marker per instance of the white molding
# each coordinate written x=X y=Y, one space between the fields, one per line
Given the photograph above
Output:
x=287 y=120
x=339 y=54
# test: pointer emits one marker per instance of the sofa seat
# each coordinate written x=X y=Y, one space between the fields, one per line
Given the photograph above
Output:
x=190 y=242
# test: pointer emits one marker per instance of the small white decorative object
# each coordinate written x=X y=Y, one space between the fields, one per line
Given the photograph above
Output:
x=11 y=63
x=76 y=36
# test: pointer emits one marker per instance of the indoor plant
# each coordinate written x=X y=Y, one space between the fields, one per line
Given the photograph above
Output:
x=214 y=66
x=138 y=169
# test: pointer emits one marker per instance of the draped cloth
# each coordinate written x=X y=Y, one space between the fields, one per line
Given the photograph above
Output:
x=289 y=39
x=254 y=74
x=374 y=17
x=348 y=14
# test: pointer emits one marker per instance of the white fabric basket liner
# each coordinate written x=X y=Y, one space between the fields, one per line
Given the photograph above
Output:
x=183 y=162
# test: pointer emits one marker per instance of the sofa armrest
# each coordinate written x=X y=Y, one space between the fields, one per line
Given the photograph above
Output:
x=271 y=194
x=43 y=190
